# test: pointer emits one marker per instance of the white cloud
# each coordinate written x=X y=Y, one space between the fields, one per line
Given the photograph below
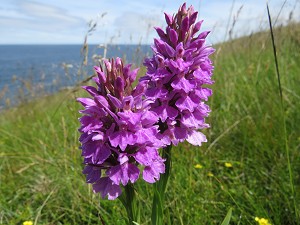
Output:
x=35 y=21
x=47 y=13
x=137 y=25
x=28 y=17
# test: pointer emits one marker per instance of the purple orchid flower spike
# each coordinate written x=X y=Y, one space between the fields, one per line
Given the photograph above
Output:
x=119 y=135
x=176 y=77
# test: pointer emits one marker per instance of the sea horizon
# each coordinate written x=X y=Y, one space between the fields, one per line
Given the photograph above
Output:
x=28 y=70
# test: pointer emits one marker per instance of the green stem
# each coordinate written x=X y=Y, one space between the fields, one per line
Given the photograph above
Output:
x=160 y=188
x=128 y=200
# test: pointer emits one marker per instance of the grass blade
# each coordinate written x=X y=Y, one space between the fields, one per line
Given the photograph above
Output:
x=283 y=114
x=227 y=218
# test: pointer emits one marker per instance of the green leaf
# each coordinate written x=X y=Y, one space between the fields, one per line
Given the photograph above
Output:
x=227 y=218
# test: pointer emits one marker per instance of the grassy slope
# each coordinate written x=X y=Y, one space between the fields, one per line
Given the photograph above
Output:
x=40 y=164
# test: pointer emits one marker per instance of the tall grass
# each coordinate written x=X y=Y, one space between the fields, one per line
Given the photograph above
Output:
x=283 y=115
x=40 y=163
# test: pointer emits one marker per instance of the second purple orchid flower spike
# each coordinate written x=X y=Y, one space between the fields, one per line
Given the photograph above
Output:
x=177 y=74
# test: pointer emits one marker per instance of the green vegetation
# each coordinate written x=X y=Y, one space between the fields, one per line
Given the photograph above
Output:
x=40 y=162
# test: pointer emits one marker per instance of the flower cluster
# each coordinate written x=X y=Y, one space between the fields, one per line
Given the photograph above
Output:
x=176 y=75
x=123 y=127
x=119 y=132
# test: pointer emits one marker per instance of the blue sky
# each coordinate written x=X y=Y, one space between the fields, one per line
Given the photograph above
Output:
x=129 y=22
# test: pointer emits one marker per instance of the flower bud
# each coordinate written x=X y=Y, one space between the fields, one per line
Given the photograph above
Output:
x=107 y=65
x=173 y=36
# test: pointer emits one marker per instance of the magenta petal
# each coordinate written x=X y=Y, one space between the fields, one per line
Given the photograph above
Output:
x=91 y=90
x=149 y=118
x=118 y=63
x=202 y=111
x=119 y=84
x=179 y=66
x=101 y=100
x=127 y=102
x=94 y=111
x=185 y=24
x=98 y=136
x=196 y=138
x=203 y=35
x=156 y=92
x=169 y=50
x=165 y=111
x=86 y=102
x=189 y=120
x=145 y=156
x=89 y=148
x=193 y=18
x=107 y=188
x=206 y=52
x=133 y=172
x=123 y=158
x=126 y=70
x=115 y=138
x=89 y=124
x=183 y=84
x=146 y=135
x=107 y=65
x=121 y=139
x=180 y=50
x=101 y=75
x=203 y=93
x=185 y=103
x=160 y=45
x=132 y=75
x=180 y=133
x=123 y=173
x=202 y=76
x=159 y=59
x=152 y=173
x=93 y=174
x=84 y=138
x=182 y=9
x=169 y=19
x=160 y=33
x=116 y=102
x=173 y=36
x=118 y=174
x=171 y=112
x=95 y=151
x=130 y=118
x=197 y=27
x=102 y=154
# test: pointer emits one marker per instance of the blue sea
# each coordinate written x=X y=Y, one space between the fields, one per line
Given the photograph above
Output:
x=28 y=71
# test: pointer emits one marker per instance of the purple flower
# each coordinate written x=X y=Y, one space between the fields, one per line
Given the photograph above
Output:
x=176 y=77
x=119 y=135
